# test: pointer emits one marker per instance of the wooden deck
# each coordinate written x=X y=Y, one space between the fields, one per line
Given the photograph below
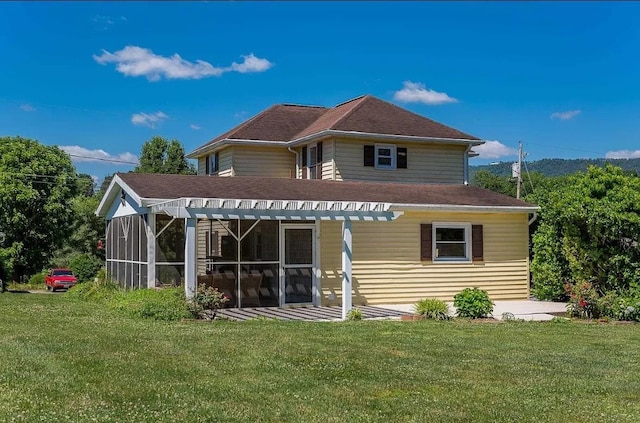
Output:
x=318 y=314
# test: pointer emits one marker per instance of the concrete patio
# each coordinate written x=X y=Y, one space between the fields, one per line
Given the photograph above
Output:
x=521 y=309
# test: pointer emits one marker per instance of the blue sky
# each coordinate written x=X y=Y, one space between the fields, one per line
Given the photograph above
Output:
x=99 y=79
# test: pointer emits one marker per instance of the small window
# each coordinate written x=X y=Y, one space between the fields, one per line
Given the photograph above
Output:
x=212 y=165
x=451 y=242
x=385 y=156
x=313 y=161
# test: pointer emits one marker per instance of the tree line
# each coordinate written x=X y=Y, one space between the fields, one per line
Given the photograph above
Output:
x=47 y=208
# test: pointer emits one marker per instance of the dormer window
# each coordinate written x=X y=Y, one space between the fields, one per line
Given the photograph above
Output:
x=213 y=164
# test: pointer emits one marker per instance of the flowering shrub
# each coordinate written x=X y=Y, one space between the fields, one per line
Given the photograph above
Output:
x=583 y=300
x=206 y=302
x=619 y=307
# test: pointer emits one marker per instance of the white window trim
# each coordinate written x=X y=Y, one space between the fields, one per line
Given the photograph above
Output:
x=467 y=238
x=392 y=148
x=318 y=165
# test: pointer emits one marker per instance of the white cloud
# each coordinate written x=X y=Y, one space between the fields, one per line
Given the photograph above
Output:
x=494 y=150
x=80 y=154
x=194 y=126
x=146 y=119
x=27 y=108
x=415 y=92
x=623 y=154
x=138 y=61
x=566 y=115
x=251 y=63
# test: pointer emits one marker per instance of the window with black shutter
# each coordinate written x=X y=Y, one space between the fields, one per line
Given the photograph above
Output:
x=369 y=155
x=304 y=162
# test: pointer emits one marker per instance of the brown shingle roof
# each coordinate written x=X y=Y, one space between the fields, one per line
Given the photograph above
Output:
x=168 y=187
x=286 y=122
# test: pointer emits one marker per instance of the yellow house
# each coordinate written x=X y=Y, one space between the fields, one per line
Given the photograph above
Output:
x=362 y=203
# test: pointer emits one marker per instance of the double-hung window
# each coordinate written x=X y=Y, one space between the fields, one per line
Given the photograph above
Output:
x=312 y=161
x=451 y=242
x=213 y=164
x=385 y=156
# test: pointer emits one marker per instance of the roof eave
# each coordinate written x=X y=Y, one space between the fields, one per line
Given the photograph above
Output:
x=385 y=137
x=110 y=195
x=464 y=208
x=210 y=148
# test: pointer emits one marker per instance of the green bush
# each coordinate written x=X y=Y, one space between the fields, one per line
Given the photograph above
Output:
x=206 y=302
x=432 y=308
x=354 y=314
x=98 y=292
x=157 y=304
x=85 y=266
x=473 y=303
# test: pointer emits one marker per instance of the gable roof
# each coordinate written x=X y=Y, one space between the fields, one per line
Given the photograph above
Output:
x=365 y=114
x=163 y=187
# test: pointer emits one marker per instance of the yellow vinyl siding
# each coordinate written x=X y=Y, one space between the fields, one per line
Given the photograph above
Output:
x=225 y=167
x=387 y=266
x=263 y=161
x=202 y=165
x=427 y=163
x=327 y=159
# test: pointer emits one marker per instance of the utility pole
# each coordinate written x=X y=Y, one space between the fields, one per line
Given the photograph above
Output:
x=519 y=180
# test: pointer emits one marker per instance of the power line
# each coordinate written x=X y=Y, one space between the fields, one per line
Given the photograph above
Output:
x=102 y=159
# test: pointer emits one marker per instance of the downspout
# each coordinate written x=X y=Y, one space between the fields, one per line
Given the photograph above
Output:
x=466 y=165
x=296 y=154
x=533 y=218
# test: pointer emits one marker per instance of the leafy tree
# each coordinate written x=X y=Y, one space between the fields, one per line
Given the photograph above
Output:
x=161 y=156
x=37 y=184
x=86 y=185
x=589 y=232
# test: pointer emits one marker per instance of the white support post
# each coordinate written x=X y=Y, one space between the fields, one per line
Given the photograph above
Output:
x=190 y=267
x=347 y=258
x=150 y=224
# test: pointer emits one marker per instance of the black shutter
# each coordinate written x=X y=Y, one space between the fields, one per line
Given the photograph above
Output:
x=319 y=150
x=426 y=247
x=369 y=155
x=304 y=162
x=477 y=243
x=217 y=166
x=319 y=160
x=206 y=165
x=401 y=157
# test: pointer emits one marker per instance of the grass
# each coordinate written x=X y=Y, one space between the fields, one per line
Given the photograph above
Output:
x=68 y=360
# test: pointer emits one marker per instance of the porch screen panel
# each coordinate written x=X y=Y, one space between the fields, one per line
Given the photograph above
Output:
x=169 y=251
x=124 y=253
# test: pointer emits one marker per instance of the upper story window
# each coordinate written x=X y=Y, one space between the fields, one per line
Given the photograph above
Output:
x=385 y=156
x=212 y=163
x=312 y=161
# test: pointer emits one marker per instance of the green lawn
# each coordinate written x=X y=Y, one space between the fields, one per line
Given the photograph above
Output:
x=64 y=360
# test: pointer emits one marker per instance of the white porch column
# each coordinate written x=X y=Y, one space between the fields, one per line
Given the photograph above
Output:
x=150 y=223
x=347 y=258
x=190 y=267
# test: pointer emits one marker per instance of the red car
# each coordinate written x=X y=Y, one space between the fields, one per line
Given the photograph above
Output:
x=60 y=278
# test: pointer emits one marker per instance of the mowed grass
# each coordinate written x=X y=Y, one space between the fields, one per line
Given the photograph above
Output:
x=64 y=360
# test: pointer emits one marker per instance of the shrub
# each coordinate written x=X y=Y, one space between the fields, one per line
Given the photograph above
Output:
x=99 y=292
x=473 y=303
x=37 y=280
x=157 y=304
x=85 y=266
x=206 y=302
x=432 y=308
x=584 y=301
x=354 y=314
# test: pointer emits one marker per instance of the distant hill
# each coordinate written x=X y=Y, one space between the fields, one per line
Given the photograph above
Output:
x=558 y=167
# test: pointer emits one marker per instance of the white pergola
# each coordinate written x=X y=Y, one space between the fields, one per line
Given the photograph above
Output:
x=192 y=209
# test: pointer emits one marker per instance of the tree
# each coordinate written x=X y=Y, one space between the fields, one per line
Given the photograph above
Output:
x=589 y=232
x=37 y=184
x=161 y=156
